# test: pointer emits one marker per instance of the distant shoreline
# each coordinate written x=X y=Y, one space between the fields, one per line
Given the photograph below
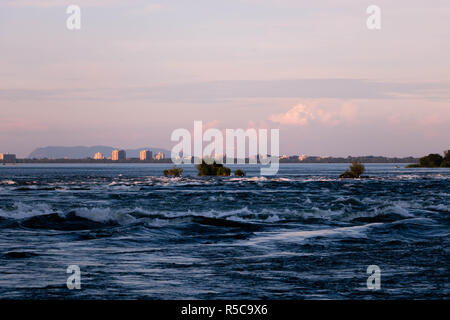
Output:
x=169 y=161
x=93 y=161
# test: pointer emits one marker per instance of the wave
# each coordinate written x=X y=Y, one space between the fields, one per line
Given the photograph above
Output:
x=221 y=197
x=30 y=216
x=440 y=207
x=67 y=222
x=22 y=210
x=43 y=216
x=290 y=236
x=385 y=214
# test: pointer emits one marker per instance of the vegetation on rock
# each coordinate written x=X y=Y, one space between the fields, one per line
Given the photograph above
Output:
x=355 y=172
x=214 y=169
x=446 y=162
x=174 y=172
x=433 y=160
x=239 y=173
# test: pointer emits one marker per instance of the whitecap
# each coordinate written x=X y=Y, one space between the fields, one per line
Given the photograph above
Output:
x=104 y=215
x=353 y=232
x=440 y=207
x=22 y=210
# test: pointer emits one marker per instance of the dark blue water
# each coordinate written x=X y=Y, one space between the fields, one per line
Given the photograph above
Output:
x=300 y=234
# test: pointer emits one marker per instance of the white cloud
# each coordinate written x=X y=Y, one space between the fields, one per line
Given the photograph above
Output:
x=326 y=114
x=299 y=115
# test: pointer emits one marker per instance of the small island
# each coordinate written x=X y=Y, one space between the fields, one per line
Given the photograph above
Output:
x=355 y=172
x=174 y=172
x=433 y=160
x=214 y=169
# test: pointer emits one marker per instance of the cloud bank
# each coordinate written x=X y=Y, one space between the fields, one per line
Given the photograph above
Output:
x=318 y=112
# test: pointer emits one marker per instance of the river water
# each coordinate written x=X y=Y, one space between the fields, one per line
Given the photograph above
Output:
x=302 y=234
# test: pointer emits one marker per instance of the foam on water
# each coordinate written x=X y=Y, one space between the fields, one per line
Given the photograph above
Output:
x=294 y=236
x=22 y=210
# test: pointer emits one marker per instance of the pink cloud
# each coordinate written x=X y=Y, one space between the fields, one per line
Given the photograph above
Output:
x=298 y=115
x=322 y=112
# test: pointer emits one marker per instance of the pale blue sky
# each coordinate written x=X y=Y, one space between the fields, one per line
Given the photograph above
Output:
x=139 y=69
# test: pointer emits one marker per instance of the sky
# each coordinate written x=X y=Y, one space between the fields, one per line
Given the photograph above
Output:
x=137 y=70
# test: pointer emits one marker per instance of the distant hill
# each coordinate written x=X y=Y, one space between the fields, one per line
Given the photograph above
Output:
x=81 y=152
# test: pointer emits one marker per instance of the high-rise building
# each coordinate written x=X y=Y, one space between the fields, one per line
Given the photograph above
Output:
x=145 y=155
x=119 y=155
x=159 y=156
x=98 y=156
x=7 y=158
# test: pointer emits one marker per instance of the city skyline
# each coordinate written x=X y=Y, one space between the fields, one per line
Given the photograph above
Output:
x=97 y=155
x=136 y=71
